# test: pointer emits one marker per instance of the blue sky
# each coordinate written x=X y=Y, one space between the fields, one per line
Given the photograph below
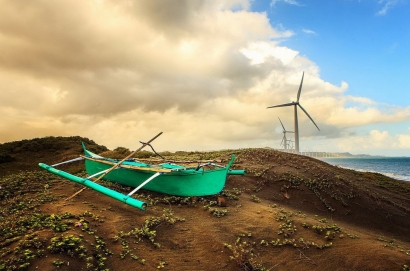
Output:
x=204 y=72
x=366 y=43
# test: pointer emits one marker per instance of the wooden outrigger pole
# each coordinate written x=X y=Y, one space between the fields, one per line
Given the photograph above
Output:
x=105 y=172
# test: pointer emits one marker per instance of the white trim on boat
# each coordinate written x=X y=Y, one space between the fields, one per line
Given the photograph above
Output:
x=96 y=174
x=144 y=183
x=69 y=161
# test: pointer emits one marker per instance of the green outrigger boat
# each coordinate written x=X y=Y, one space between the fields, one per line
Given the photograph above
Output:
x=168 y=178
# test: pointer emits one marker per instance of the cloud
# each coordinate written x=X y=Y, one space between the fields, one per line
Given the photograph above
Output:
x=203 y=72
x=403 y=141
x=308 y=31
x=387 y=5
x=375 y=141
x=259 y=52
x=290 y=2
x=138 y=52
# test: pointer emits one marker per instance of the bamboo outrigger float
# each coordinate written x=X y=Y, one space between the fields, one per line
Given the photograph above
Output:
x=168 y=178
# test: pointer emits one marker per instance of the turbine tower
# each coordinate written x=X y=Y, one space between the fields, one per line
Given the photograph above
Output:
x=284 y=140
x=295 y=106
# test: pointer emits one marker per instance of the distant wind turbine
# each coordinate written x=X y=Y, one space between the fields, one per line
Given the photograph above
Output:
x=296 y=104
x=290 y=144
x=284 y=139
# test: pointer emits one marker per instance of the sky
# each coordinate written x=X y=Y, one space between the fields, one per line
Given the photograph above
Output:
x=204 y=72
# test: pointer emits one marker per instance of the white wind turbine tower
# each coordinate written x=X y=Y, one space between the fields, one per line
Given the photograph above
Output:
x=284 y=139
x=295 y=105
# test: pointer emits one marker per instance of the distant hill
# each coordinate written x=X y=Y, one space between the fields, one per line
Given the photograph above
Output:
x=26 y=154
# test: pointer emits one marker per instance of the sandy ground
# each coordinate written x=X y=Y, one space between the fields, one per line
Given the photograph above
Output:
x=288 y=213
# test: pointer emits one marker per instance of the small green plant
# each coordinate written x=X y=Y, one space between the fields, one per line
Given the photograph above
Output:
x=231 y=194
x=161 y=265
x=58 y=263
x=255 y=198
x=135 y=257
x=218 y=212
x=244 y=256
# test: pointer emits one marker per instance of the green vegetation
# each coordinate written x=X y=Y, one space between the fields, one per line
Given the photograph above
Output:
x=145 y=232
x=22 y=219
x=244 y=256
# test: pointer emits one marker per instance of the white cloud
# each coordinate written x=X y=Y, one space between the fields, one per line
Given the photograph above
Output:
x=387 y=5
x=308 y=31
x=360 y=100
x=290 y=2
x=403 y=141
x=258 y=52
x=375 y=141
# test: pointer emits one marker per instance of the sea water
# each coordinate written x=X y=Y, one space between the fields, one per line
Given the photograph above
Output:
x=394 y=167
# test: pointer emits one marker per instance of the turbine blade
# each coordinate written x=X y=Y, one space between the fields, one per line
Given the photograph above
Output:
x=309 y=116
x=282 y=105
x=282 y=125
x=300 y=87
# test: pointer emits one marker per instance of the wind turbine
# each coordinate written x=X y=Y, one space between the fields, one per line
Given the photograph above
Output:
x=295 y=105
x=290 y=144
x=284 y=140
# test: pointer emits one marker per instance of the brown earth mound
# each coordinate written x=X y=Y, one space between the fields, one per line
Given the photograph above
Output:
x=289 y=212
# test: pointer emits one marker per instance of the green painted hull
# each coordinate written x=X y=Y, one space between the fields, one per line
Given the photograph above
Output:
x=188 y=182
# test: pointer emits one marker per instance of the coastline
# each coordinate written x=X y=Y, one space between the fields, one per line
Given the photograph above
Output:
x=393 y=167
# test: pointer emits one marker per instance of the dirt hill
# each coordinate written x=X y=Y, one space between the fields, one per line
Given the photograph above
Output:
x=289 y=212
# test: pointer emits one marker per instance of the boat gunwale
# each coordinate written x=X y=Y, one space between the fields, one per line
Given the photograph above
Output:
x=154 y=168
x=104 y=161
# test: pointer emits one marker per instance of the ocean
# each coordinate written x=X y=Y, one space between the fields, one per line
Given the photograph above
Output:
x=394 y=167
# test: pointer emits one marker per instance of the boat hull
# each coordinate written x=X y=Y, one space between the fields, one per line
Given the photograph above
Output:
x=188 y=182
